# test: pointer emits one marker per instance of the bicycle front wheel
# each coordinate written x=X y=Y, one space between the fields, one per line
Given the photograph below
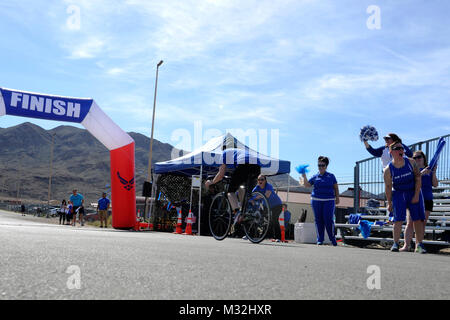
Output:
x=220 y=217
x=257 y=217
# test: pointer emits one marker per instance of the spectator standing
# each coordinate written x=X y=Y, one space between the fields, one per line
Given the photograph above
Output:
x=69 y=212
x=324 y=198
x=429 y=180
x=77 y=200
x=287 y=218
x=22 y=209
x=403 y=183
x=383 y=152
x=62 y=212
x=102 y=210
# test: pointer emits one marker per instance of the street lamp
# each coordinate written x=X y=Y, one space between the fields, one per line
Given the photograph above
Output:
x=148 y=182
x=51 y=168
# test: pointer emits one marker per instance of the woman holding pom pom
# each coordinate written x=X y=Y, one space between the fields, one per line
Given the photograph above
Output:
x=383 y=152
x=324 y=198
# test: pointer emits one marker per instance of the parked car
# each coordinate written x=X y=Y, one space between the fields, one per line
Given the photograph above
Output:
x=54 y=211
x=92 y=217
x=51 y=212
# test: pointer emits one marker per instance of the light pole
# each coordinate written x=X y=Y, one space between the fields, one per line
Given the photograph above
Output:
x=148 y=183
x=51 y=168
x=19 y=181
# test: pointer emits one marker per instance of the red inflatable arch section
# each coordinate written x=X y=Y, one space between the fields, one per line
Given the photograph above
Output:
x=87 y=113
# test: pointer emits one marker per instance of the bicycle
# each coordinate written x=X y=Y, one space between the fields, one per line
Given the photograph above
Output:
x=255 y=211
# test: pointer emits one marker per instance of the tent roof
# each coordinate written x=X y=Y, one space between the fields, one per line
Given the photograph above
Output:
x=209 y=157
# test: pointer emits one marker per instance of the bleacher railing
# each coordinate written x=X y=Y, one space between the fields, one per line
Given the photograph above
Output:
x=368 y=173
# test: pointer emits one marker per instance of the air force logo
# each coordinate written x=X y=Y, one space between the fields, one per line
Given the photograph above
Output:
x=128 y=185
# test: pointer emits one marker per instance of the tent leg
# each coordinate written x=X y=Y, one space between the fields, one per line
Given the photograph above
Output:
x=200 y=200
x=288 y=185
x=152 y=197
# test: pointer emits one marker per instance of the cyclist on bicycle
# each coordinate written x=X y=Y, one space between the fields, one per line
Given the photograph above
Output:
x=243 y=174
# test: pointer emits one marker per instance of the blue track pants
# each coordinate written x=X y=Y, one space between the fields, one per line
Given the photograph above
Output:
x=323 y=214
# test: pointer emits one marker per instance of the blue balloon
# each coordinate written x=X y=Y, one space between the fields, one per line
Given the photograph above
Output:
x=440 y=147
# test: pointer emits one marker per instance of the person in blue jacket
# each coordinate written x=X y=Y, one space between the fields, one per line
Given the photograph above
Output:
x=102 y=209
x=275 y=204
x=324 y=198
x=403 y=183
x=383 y=152
x=429 y=180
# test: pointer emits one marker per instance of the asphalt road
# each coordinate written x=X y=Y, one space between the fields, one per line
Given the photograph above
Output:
x=39 y=260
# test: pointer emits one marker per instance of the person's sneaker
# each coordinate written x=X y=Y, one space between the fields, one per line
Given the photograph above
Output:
x=319 y=243
x=420 y=248
x=394 y=247
x=244 y=238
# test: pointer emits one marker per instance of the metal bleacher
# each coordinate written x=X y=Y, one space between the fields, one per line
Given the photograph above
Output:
x=437 y=230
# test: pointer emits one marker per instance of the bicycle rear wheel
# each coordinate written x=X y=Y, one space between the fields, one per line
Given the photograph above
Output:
x=257 y=217
x=220 y=217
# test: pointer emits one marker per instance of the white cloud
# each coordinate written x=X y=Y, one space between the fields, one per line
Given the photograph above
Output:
x=429 y=70
x=89 y=48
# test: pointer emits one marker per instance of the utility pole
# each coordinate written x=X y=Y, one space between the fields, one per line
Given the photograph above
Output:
x=51 y=169
x=148 y=184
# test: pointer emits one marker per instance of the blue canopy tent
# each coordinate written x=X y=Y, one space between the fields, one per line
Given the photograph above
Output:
x=207 y=159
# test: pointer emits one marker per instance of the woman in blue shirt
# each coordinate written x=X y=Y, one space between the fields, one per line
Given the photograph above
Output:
x=324 y=198
x=429 y=180
x=275 y=204
x=403 y=184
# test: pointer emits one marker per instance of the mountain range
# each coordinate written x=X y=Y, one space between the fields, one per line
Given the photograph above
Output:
x=79 y=161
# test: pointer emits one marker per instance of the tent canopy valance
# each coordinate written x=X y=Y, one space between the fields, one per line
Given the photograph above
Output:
x=208 y=158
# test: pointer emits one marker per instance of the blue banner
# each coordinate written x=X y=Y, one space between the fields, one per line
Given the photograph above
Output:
x=33 y=105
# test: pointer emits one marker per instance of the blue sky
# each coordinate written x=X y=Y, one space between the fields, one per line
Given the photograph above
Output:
x=311 y=69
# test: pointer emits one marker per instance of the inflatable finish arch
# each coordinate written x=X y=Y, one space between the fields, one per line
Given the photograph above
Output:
x=87 y=113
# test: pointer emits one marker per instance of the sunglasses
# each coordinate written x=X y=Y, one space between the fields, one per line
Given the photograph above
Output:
x=397 y=148
x=321 y=165
x=417 y=157
x=261 y=179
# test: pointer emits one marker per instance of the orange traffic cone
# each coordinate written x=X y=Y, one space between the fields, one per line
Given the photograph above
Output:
x=281 y=222
x=143 y=225
x=179 y=230
x=188 y=230
x=137 y=225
